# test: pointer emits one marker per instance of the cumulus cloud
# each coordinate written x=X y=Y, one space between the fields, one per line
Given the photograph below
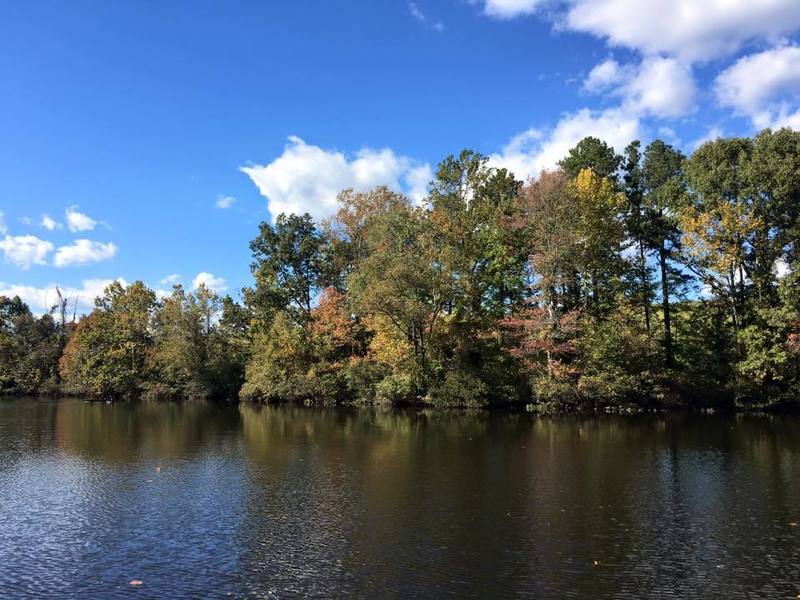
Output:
x=529 y=152
x=41 y=299
x=691 y=30
x=78 y=221
x=307 y=178
x=84 y=251
x=50 y=223
x=762 y=85
x=688 y=29
x=213 y=283
x=661 y=87
x=784 y=117
x=25 y=250
x=225 y=202
x=417 y=180
x=605 y=76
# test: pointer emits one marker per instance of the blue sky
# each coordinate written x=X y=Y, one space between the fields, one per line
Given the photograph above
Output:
x=156 y=135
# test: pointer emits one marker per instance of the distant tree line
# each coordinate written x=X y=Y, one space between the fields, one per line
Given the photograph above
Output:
x=647 y=278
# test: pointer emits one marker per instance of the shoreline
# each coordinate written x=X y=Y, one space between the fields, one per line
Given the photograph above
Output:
x=561 y=410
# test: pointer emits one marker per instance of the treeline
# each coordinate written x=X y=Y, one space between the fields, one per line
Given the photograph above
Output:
x=647 y=278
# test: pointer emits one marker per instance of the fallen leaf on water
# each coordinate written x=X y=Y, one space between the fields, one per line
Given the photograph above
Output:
x=136 y=582
x=792 y=524
x=596 y=563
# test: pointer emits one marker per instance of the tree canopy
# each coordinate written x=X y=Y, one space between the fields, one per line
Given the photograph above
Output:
x=646 y=278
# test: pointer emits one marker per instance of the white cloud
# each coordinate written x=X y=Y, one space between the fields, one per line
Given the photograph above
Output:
x=661 y=87
x=689 y=29
x=307 y=178
x=606 y=75
x=693 y=30
x=3 y=227
x=41 y=299
x=417 y=180
x=50 y=223
x=225 y=202
x=84 y=251
x=760 y=84
x=171 y=279
x=215 y=284
x=417 y=13
x=78 y=221
x=25 y=250
x=785 y=118
x=529 y=152
x=507 y=9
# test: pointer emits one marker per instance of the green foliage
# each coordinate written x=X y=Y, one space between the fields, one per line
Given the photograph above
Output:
x=594 y=154
x=405 y=280
x=619 y=363
x=396 y=388
x=770 y=350
x=30 y=349
x=291 y=264
x=459 y=389
x=107 y=354
x=648 y=279
x=279 y=363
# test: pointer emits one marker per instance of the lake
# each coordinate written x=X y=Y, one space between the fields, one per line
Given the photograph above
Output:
x=204 y=501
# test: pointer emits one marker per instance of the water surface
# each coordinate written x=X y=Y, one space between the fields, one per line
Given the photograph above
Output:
x=282 y=502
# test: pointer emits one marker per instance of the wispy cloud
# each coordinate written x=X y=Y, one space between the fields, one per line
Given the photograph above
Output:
x=50 y=223
x=225 y=202
x=420 y=16
x=78 y=221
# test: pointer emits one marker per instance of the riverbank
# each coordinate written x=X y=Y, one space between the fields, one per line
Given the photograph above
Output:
x=543 y=409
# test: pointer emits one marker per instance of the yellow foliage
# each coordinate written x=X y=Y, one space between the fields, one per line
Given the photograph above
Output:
x=388 y=345
x=716 y=236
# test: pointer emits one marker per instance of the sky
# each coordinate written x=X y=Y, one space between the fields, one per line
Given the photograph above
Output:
x=146 y=140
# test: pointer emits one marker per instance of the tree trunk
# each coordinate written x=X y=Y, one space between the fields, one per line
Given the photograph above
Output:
x=668 y=354
x=645 y=285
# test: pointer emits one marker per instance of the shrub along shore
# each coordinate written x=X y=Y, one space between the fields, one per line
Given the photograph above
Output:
x=647 y=279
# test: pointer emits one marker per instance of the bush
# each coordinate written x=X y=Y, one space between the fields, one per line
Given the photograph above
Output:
x=362 y=377
x=459 y=389
x=397 y=387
